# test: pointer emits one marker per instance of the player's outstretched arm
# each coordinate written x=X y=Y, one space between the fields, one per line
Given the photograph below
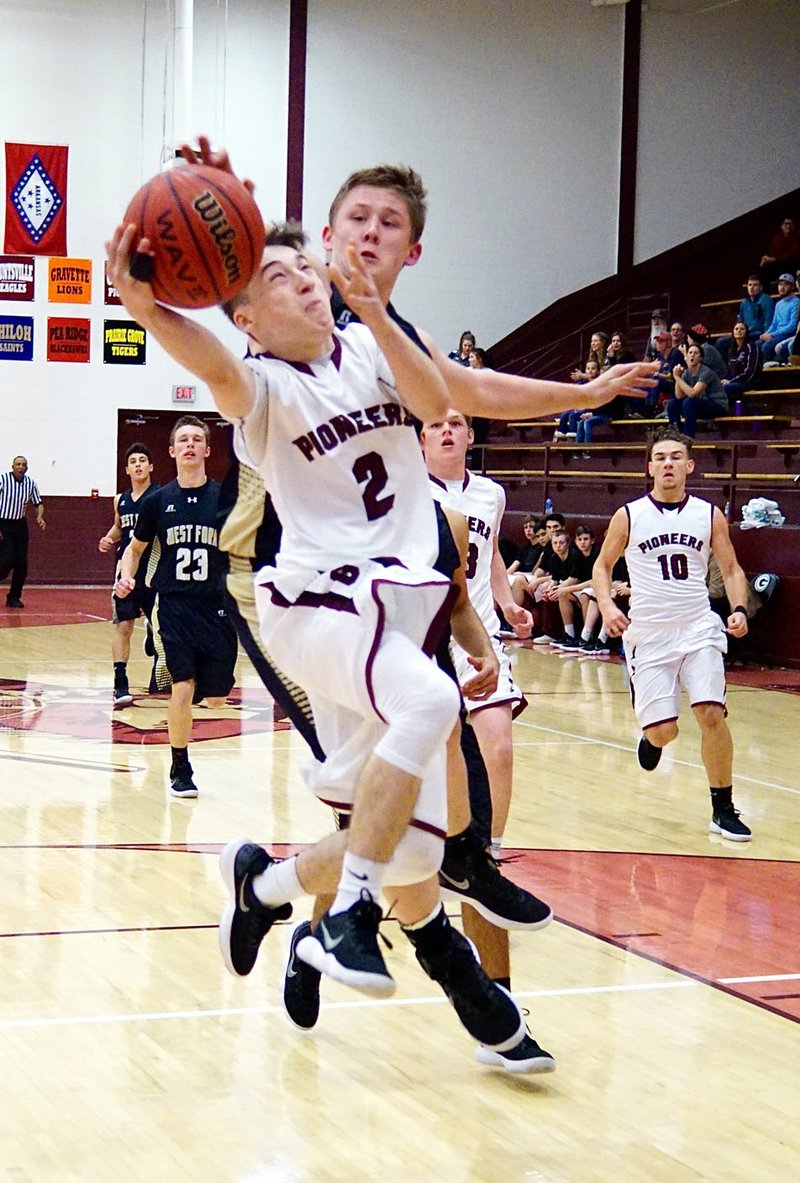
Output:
x=418 y=381
x=193 y=346
x=508 y=396
x=733 y=576
x=614 y=543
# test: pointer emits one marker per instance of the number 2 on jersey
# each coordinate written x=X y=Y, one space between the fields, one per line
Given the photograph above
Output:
x=370 y=471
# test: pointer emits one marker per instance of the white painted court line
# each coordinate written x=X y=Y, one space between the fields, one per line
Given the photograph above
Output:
x=359 y=1003
x=621 y=747
x=760 y=978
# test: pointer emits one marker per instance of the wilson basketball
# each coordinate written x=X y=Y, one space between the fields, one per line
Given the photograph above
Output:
x=205 y=232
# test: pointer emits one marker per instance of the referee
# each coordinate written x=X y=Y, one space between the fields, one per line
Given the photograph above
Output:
x=16 y=490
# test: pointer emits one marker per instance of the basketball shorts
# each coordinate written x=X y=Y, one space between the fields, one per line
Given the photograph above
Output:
x=507 y=690
x=199 y=642
x=664 y=660
x=138 y=603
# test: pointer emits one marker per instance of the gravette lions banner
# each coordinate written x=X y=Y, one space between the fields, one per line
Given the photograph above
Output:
x=36 y=199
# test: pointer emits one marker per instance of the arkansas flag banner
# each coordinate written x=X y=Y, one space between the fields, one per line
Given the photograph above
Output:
x=36 y=199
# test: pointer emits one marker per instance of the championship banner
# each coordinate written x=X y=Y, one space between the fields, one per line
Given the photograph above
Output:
x=36 y=199
x=111 y=293
x=17 y=276
x=124 y=343
x=69 y=281
x=68 y=338
x=16 y=338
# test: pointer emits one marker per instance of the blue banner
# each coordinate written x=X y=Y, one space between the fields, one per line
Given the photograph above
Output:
x=16 y=338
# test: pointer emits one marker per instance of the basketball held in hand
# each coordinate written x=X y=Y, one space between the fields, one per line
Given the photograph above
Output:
x=205 y=232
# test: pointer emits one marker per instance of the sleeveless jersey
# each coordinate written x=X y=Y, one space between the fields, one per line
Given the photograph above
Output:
x=182 y=526
x=336 y=448
x=482 y=502
x=128 y=508
x=667 y=555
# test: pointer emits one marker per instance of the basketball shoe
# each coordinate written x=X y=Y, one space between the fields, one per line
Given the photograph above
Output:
x=345 y=946
x=471 y=875
x=301 y=984
x=246 y=921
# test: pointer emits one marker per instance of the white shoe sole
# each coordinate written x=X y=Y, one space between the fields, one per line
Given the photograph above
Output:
x=227 y=860
x=376 y=985
x=536 y=1065
x=715 y=829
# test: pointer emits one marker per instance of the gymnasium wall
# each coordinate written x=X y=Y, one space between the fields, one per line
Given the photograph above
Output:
x=510 y=110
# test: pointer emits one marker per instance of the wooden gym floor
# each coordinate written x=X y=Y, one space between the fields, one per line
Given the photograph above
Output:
x=668 y=988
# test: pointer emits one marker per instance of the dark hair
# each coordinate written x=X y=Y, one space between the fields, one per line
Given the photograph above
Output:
x=757 y=277
x=531 y=520
x=581 y=529
x=399 y=177
x=555 y=517
x=479 y=353
x=279 y=234
x=189 y=421
x=140 y=449
x=667 y=435
x=466 y=334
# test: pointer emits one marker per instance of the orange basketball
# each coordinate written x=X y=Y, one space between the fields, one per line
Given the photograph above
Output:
x=205 y=232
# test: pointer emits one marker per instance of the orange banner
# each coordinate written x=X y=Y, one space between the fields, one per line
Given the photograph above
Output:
x=69 y=281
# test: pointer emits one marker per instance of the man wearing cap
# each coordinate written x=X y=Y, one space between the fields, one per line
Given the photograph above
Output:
x=658 y=323
x=668 y=356
x=784 y=319
x=699 y=335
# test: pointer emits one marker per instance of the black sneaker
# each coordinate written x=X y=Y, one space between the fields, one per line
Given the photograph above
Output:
x=180 y=781
x=601 y=647
x=729 y=824
x=486 y=1009
x=246 y=921
x=470 y=874
x=345 y=947
x=301 y=984
x=14 y=602
x=567 y=642
x=587 y=645
x=525 y=1056
x=122 y=693
x=648 y=754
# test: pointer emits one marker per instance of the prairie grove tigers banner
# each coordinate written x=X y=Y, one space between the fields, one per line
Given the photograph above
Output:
x=36 y=199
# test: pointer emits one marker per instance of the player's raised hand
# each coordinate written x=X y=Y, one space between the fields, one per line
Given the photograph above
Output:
x=632 y=379
x=213 y=157
x=357 y=287
x=136 y=294
x=484 y=681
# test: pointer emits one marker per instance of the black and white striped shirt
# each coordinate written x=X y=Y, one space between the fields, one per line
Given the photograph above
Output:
x=15 y=495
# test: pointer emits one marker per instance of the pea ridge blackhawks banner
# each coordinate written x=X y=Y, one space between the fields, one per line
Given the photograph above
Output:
x=36 y=199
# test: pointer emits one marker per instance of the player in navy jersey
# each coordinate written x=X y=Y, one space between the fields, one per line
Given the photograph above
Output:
x=179 y=520
x=673 y=639
x=126 y=611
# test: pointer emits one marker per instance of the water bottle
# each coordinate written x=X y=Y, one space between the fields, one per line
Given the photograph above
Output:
x=726 y=511
x=738 y=407
x=548 y=506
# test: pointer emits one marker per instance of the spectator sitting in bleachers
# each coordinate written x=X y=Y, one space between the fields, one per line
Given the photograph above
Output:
x=755 y=311
x=620 y=590
x=567 y=593
x=743 y=364
x=699 y=335
x=554 y=567
x=466 y=344
x=658 y=324
x=567 y=427
x=699 y=393
x=598 y=346
x=588 y=420
x=618 y=351
x=668 y=356
x=783 y=251
x=529 y=553
x=678 y=335
x=784 y=320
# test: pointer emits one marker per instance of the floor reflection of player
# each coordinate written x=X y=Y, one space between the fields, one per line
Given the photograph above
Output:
x=127 y=610
x=179 y=519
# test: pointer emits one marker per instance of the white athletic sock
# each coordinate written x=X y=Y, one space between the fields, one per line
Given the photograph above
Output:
x=279 y=883
x=358 y=874
x=586 y=634
x=602 y=635
x=569 y=629
x=494 y=846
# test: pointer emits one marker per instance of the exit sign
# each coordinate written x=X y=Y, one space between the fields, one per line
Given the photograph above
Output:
x=183 y=394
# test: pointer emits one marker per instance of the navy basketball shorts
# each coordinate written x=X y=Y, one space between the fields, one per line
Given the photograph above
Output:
x=199 y=642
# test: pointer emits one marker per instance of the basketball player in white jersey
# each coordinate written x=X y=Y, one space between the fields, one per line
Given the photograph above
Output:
x=445 y=443
x=673 y=639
